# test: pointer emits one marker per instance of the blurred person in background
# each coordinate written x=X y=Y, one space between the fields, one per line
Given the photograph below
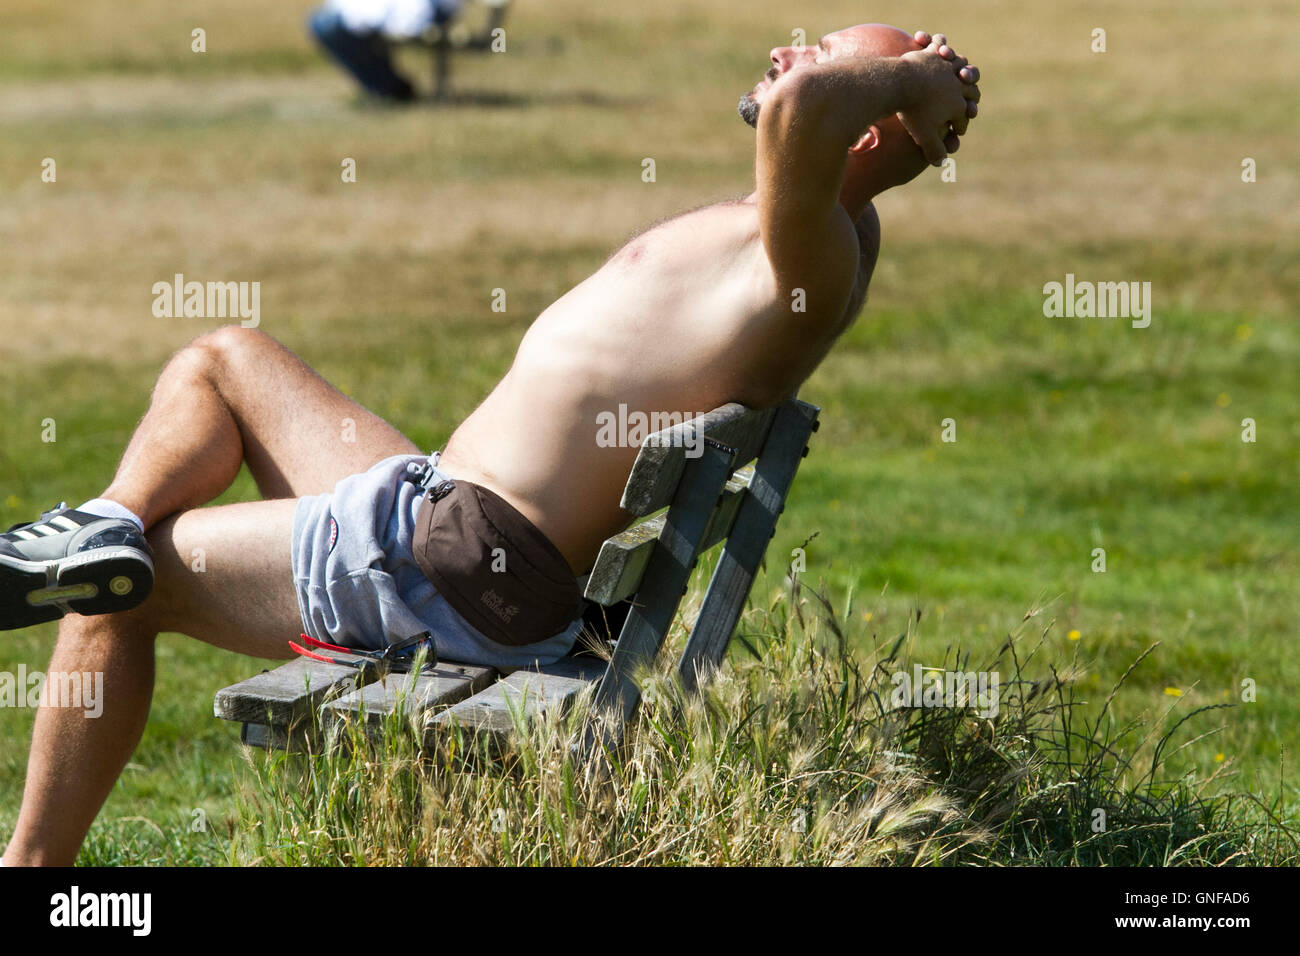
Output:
x=360 y=33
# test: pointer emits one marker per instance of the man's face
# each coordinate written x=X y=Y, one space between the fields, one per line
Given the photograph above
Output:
x=867 y=39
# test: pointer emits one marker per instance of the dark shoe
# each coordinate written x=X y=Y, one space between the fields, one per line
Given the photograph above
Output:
x=71 y=562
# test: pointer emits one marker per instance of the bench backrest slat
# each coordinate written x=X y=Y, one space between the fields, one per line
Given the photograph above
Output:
x=687 y=525
x=663 y=585
x=750 y=533
x=623 y=558
x=663 y=456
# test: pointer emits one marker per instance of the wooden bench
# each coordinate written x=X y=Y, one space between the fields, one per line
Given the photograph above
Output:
x=459 y=35
x=730 y=487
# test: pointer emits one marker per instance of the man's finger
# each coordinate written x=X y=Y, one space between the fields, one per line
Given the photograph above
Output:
x=972 y=93
x=969 y=74
x=952 y=142
x=921 y=37
x=972 y=109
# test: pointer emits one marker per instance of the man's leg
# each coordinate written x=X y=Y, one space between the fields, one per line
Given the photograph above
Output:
x=242 y=600
x=232 y=395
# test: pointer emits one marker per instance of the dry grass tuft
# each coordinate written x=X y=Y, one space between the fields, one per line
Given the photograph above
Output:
x=794 y=755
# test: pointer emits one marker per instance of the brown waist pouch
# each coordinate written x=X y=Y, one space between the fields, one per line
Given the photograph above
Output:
x=493 y=565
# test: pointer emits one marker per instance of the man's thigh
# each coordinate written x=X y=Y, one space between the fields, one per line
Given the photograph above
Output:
x=300 y=433
x=224 y=575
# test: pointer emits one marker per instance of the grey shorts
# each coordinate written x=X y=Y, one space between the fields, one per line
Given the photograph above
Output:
x=358 y=584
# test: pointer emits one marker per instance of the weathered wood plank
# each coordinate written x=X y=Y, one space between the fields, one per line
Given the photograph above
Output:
x=661 y=591
x=531 y=691
x=659 y=465
x=444 y=685
x=290 y=692
x=623 y=558
x=752 y=530
x=297 y=737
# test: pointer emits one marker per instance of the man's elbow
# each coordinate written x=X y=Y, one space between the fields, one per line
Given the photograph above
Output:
x=796 y=107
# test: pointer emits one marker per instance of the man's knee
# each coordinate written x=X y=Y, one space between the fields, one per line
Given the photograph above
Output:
x=233 y=343
x=216 y=352
x=134 y=627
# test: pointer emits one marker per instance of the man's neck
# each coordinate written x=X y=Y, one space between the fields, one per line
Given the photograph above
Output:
x=854 y=199
x=857 y=192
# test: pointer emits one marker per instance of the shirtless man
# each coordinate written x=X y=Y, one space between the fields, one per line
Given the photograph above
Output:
x=687 y=316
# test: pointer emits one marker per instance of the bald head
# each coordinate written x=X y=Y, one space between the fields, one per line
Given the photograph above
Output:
x=893 y=157
x=873 y=39
x=866 y=39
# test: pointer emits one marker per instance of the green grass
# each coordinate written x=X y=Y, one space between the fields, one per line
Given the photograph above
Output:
x=800 y=754
x=1072 y=434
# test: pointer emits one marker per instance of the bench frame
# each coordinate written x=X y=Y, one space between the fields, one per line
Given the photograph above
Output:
x=689 y=468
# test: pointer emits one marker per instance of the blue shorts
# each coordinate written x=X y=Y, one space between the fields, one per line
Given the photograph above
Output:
x=358 y=584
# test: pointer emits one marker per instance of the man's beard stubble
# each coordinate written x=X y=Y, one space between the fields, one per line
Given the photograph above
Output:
x=748 y=105
x=748 y=109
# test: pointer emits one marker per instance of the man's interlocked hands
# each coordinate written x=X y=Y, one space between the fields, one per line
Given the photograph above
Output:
x=944 y=97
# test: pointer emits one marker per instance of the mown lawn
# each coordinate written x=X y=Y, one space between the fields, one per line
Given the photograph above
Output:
x=1071 y=434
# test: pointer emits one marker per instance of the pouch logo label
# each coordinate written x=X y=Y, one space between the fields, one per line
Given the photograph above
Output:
x=334 y=535
x=496 y=604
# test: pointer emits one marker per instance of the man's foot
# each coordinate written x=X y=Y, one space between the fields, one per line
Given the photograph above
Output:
x=70 y=561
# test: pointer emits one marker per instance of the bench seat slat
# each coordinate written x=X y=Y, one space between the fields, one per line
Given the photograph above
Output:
x=534 y=691
x=289 y=693
x=446 y=684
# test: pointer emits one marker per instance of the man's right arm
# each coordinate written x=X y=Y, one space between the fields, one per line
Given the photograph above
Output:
x=807 y=124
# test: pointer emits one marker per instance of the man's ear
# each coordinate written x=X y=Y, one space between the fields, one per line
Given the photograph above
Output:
x=867 y=142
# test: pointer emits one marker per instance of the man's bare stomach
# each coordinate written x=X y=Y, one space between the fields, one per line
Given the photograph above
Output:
x=682 y=320
x=561 y=453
